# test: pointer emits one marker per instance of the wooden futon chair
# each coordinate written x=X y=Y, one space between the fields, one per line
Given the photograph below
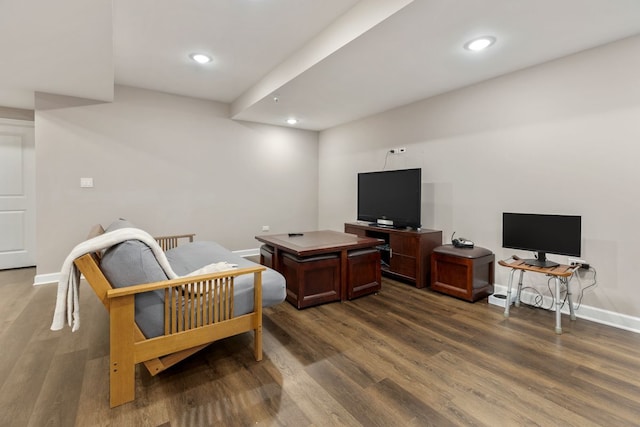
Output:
x=198 y=310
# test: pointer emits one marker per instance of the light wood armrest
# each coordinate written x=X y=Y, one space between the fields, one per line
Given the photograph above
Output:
x=165 y=284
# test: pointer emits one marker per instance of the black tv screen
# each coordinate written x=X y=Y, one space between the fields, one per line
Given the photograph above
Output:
x=555 y=234
x=390 y=198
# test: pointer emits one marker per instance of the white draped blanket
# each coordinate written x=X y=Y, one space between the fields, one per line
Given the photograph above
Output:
x=67 y=301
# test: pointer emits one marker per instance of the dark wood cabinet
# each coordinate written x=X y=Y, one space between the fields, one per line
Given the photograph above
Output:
x=311 y=280
x=406 y=254
x=362 y=279
x=463 y=273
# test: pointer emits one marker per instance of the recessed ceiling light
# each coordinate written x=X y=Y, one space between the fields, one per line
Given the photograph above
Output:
x=480 y=43
x=200 y=58
x=292 y=121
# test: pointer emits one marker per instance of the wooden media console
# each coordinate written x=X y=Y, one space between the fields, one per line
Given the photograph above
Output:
x=405 y=253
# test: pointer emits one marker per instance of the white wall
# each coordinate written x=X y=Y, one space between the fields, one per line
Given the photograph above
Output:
x=561 y=138
x=170 y=165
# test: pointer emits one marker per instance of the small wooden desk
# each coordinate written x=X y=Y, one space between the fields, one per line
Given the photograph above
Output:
x=560 y=273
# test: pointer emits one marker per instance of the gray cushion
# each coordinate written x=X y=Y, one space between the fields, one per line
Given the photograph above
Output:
x=191 y=256
x=118 y=224
x=133 y=263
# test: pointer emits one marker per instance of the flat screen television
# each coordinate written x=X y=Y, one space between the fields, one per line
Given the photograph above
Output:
x=554 y=234
x=390 y=198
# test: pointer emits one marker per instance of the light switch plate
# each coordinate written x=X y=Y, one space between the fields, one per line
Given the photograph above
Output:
x=86 y=182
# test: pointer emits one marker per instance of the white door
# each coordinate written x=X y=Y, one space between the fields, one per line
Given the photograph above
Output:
x=17 y=194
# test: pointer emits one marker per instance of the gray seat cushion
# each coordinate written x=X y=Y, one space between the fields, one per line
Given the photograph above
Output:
x=192 y=256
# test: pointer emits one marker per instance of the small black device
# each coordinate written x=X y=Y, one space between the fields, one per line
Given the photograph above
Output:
x=461 y=242
x=295 y=234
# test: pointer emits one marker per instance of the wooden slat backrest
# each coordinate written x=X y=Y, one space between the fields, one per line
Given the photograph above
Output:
x=170 y=242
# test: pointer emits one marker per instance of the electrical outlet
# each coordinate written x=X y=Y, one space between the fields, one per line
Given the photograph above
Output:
x=574 y=261
x=265 y=228
x=399 y=150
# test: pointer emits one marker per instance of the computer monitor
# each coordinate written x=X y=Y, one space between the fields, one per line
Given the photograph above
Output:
x=541 y=233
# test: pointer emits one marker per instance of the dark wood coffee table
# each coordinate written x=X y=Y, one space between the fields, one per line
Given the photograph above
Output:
x=323 y=266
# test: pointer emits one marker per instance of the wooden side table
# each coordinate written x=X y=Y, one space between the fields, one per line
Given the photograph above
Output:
x=560 y=273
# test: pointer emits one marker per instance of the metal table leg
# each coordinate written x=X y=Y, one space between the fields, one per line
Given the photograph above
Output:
x=507 y=303
x=517 y=301
x=558 y=307
x=571 y=310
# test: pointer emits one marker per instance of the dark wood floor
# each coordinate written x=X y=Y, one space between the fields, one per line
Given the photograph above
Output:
x=402 y=357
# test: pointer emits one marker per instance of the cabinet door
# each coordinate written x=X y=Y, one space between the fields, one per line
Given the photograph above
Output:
x=403 y=245
x=403 y=259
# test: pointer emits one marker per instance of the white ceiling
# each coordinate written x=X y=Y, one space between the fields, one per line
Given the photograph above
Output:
x=328 y=61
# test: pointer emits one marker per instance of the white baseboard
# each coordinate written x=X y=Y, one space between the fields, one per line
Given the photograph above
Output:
x=248 y=252
x=594 y=314
x=45 y=279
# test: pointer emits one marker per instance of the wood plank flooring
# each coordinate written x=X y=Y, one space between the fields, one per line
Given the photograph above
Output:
x=404 y=357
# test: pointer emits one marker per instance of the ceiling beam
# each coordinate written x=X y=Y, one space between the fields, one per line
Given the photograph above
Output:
x=355 y=22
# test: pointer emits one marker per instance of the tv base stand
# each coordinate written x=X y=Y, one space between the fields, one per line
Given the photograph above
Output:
x=405 y=254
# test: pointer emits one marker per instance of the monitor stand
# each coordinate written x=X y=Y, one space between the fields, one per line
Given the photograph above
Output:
x=541 y=261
